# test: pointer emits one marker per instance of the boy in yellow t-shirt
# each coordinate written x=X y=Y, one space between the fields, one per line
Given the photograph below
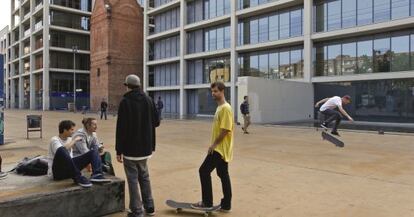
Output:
x=220 y=153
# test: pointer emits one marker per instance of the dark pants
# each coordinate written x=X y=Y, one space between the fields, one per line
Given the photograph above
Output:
x=103 y=112
x=331 y=115
x=215 y=161
x=0 y=163
x=65 y=167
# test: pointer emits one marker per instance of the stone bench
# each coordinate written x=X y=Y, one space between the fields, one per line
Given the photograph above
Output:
x=25 y=196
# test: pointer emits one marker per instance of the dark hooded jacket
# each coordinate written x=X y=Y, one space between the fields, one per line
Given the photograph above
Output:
x=135 y=127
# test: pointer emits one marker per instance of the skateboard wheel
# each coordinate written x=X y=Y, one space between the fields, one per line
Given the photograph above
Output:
x=178 y=210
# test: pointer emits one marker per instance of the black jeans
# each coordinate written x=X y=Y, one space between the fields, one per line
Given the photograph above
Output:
x=211 y=162
x=331 y=115
x=103 y=112
x=65 y=167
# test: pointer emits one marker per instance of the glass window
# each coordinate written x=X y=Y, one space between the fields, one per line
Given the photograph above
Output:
x=348 y=13
x=296 y=63
x=321 y=17
x=400 y=51
x=364 y=56
x=334 y=60
x=227 y=6
x=349 y=58
x=213 y=39
x=412 y=51
x=274 y=27
x=254 y=31
x=264 y=65
x=227 y=37
x=321 y=54
x=400 y=8
x=274 y=65
x=412 y=8
x=284 y=25
x=334 y=15
x=382 y=55
x=296 y=23
x=220 y=7
x=284 y=67
x=220 y=38
x=254 y=65
x=381 y=10
x=263 y=29
x=364 y=12
x=206 y=9
x=212 y=8
x=253 y=3
x=206 y=41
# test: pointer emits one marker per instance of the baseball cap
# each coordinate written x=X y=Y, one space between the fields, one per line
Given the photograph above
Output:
x=348 y=97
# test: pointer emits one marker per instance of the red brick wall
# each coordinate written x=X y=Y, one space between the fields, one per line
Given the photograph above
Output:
x=116 y=49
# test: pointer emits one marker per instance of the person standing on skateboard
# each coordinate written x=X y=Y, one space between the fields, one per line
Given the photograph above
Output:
x=333 y=110
x=220 y=153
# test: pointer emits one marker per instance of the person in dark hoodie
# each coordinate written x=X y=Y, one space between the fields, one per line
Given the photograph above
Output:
x=135 y=143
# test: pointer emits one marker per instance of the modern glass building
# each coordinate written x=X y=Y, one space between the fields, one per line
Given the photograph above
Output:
x=363 y=48
x=42 y=61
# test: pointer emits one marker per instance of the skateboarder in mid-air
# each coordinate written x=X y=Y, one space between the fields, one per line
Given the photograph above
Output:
x=333 y=110
x=220 y=153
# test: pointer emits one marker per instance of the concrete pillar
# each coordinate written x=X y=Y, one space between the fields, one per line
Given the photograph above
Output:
x=145 y=76
x=233 y=57
x=12 y=94
x=32 y=60
x=183 y=65
x=308 y=45
x=46 y=88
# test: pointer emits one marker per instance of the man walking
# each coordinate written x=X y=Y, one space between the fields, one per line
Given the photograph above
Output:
x=135 y=143
x=104 y=107
x=330 y=109
x=220 y=153
x=160 y=106
x=244 y=109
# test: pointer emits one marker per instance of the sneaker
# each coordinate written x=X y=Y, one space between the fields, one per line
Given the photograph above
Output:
x=150 y=211
x=83 y=181
x=335 y=133
x=99 y=178
x=200 y=206
x=324 y=126
x=3 y=175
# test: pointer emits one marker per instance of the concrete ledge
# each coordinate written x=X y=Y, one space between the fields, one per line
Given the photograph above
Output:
x=39 y=196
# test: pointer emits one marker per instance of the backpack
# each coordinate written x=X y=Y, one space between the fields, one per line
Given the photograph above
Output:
x=34 y=166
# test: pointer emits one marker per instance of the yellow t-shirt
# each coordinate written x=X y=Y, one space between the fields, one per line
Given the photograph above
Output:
x=223 y=119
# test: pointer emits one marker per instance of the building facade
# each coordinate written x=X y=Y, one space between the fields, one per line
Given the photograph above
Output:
x=363 y=48
x=48 y=51
x=113 y=59
x=4 y=43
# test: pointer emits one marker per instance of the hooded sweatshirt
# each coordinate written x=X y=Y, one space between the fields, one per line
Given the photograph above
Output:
x=88 y=142
x=136 y=123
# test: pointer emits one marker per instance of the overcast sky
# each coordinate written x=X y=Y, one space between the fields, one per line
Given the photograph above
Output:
x=4 y=13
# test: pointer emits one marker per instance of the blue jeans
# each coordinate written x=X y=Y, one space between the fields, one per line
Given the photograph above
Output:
x=65 y=167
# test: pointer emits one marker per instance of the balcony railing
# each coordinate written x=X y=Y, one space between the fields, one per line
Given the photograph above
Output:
x=38 y=25
x=38 y=6
x=27 y=32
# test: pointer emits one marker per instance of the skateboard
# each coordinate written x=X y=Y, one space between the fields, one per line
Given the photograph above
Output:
x=332 y=139
x=179 y=206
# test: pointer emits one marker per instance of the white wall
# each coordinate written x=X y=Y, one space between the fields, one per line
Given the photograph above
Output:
x=276 y=101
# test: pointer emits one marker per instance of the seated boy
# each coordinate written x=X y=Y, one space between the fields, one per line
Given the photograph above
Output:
x=62 y=164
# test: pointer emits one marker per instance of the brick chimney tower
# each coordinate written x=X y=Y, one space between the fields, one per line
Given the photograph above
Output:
x=116 y=49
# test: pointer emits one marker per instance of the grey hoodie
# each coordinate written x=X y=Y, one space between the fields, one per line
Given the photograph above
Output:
x=88 y=142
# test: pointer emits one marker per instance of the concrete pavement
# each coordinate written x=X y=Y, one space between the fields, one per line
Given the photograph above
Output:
x=277 y=171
